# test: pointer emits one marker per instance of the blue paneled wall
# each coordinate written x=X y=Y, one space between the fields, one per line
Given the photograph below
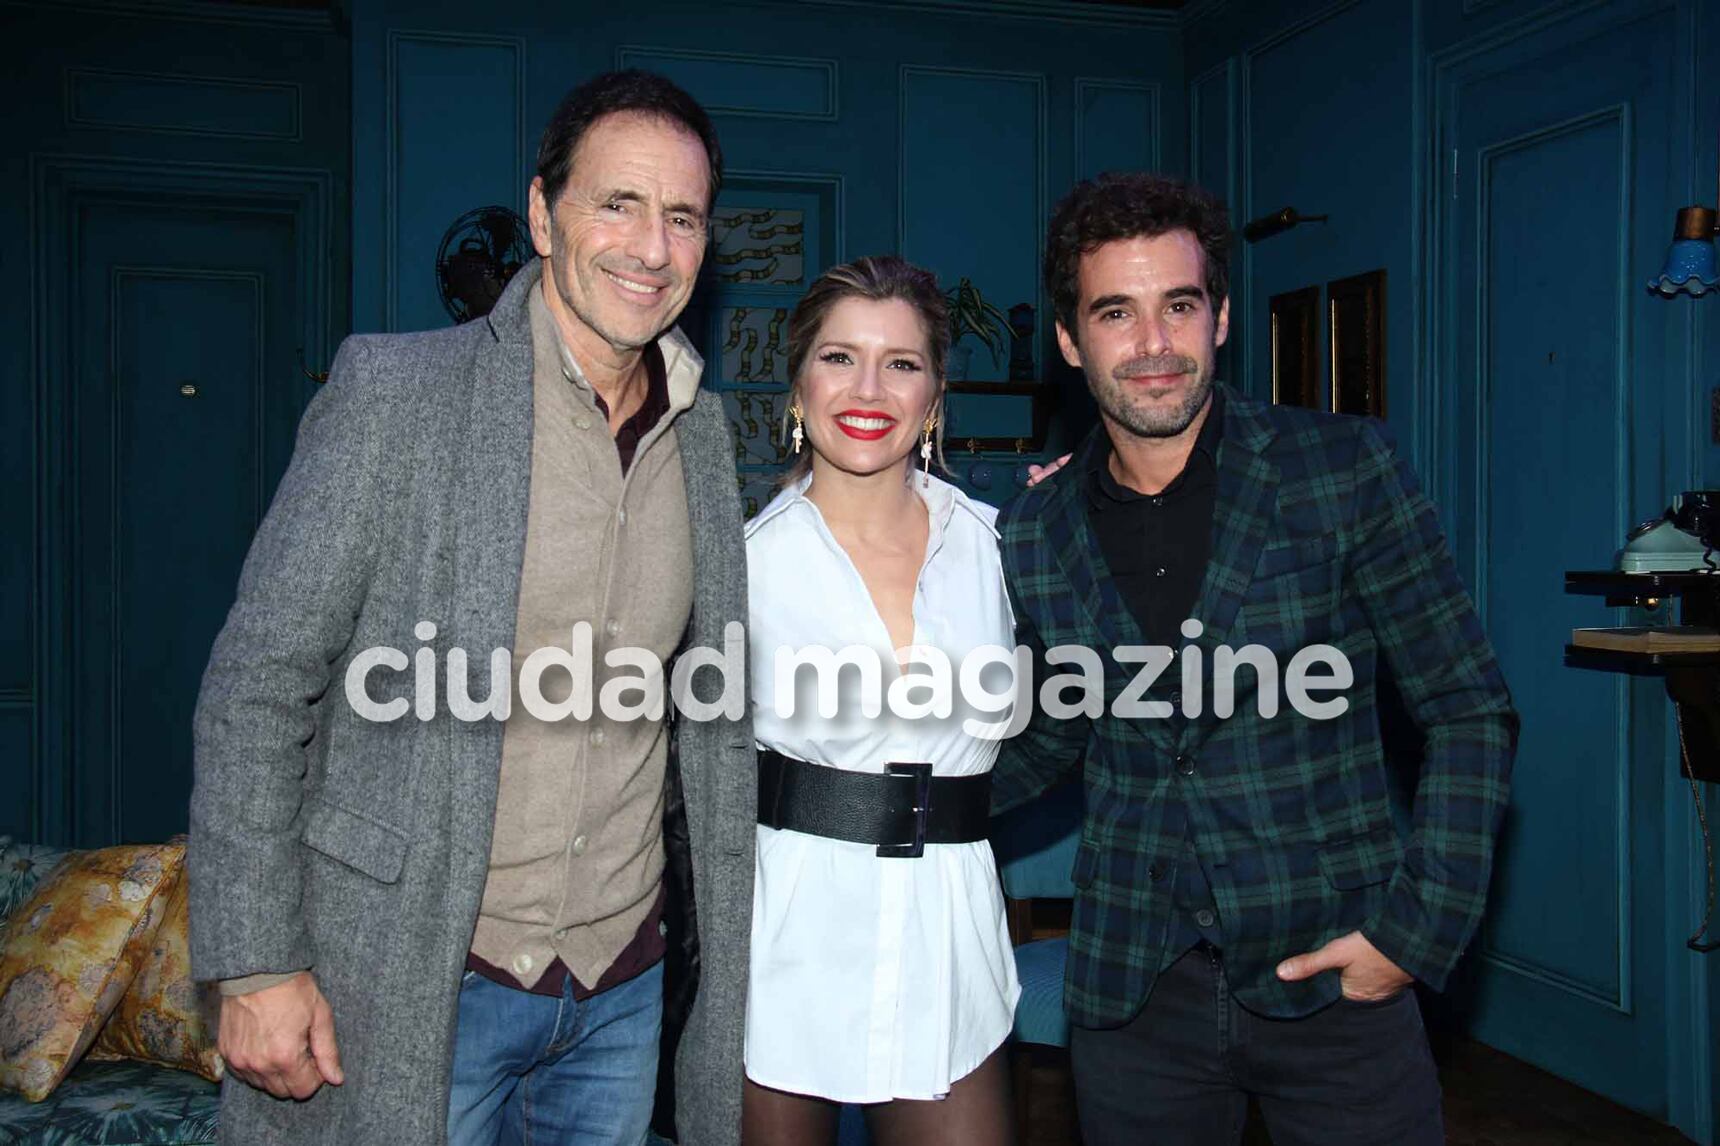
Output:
x=941 y=134
x=1512 y=165
x=1514 y=168
x=174 y=189
x=948 y=133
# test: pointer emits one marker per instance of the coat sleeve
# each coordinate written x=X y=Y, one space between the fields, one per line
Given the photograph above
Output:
x=1431 y=636
x=1047 y=748
x=298 y=599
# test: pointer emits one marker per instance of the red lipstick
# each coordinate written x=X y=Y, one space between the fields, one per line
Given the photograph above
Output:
x=862 y=433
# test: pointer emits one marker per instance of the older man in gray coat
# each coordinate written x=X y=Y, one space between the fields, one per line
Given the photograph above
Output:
x=435 y=927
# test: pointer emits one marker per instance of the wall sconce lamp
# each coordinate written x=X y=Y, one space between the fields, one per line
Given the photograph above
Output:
x=1277 y=223
x=1690 y=260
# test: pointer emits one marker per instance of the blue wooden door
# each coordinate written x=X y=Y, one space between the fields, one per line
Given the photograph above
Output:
x=1553 y=406
x=186 y=391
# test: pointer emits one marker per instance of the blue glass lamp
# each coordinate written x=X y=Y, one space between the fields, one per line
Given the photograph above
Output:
x=1690 y=261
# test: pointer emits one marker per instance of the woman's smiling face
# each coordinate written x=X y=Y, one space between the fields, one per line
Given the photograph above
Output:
x=867 y=386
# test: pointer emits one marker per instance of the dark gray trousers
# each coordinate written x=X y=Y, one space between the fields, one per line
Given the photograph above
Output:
x=1181 y=1072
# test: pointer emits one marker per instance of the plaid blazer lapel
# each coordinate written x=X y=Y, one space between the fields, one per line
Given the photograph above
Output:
x=1247 y=495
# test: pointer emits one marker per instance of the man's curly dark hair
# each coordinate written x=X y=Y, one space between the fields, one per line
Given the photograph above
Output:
x=1130 y=205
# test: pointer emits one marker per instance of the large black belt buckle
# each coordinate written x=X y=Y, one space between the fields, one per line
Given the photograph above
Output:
x=921 y=796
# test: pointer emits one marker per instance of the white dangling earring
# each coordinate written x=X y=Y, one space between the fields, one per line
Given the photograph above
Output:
x=799 y=434
x=926 y=454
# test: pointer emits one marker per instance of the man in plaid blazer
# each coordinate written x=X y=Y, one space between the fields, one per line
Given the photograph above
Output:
x=1248 y=917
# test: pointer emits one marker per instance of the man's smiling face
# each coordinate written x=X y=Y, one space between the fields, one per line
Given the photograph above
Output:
x=1147 y=335
x=625 y=239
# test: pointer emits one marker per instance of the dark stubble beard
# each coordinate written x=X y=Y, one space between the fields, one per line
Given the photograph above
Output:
x=1112 y=394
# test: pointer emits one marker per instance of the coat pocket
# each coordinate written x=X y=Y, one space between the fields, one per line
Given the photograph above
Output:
x=1086 y=866
x=365 y=845
x=1361 y=861
x=1295 y=557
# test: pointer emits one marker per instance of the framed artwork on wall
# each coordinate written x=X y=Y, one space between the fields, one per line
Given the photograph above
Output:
x=771 y=234
x=1356 y=309
x=1296 y=347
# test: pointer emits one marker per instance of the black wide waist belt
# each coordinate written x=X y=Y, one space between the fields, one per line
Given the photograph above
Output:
x=901 y=810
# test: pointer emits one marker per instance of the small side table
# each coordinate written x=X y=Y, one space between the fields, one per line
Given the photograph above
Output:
x=1692 y=679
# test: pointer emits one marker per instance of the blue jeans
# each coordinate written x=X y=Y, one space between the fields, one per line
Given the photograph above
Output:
x=536 y=1069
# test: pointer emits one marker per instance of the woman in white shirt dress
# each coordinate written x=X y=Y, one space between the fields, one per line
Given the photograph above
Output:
x=879 y=976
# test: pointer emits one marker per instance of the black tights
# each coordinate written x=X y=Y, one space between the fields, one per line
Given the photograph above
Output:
x=976 y=1112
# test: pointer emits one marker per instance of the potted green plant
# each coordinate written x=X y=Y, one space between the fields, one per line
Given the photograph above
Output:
x=971 y=314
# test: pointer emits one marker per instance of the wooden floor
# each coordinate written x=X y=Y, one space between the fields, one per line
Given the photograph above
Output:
x=1491 y=1099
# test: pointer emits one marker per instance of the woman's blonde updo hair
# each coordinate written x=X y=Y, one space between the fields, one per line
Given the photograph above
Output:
x=876 y=278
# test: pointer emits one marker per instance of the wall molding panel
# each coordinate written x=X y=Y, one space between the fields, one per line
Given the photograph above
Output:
x=1222 y=77
x=1035 y=10
x=1619 y=117
x=953 y=237
x=740 y=83
x=197 y=11
x=419 y=73
x=184 y=104
x=1145 y=99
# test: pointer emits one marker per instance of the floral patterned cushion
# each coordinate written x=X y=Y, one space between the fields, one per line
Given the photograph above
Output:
x=22 y=867
x=70 y=952
x=115 y=1104
x=167 y=1017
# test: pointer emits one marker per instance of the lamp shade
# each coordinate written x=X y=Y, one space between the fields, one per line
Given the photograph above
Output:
x=1690 y=259
x=1690 y=266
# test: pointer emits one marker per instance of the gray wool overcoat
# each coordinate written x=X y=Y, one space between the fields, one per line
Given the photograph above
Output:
x=358 y=849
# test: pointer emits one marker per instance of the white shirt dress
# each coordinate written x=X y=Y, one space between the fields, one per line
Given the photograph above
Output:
x=874 y=978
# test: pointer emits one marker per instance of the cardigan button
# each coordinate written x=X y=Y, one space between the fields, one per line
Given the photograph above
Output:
x=1185 y=765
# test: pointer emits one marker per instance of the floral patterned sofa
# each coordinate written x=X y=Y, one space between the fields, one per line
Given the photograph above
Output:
x=98 y=1103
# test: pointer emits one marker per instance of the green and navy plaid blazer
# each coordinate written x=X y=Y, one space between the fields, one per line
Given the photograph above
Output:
x=1321 y=535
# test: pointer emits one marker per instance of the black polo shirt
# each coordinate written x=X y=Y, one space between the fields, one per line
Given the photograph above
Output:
x=1157 y=545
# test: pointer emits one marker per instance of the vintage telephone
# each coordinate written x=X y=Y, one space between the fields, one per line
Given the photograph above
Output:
x=1683 y=539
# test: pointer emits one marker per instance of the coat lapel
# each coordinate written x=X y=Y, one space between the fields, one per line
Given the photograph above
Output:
x=1242 y=513
x=490 y=501
x=713 y=512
